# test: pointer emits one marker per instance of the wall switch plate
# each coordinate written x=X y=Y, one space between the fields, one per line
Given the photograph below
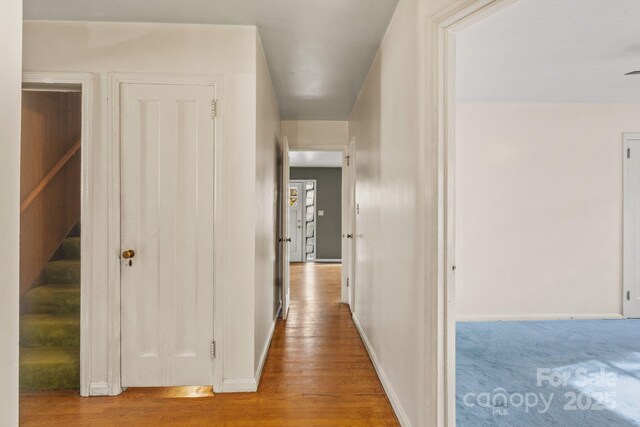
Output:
x=320 y=213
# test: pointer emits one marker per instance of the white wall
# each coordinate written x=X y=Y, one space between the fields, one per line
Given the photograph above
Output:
x=267 y=293
x=390 y=189
x=315 y=133
x=539 y=209
x=10 y=99
x=101 y=48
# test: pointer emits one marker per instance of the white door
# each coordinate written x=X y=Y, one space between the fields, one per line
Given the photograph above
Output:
x=167 y=160
x=296 y=220
x=351 y=225
x=631 y=294
x=285 y=236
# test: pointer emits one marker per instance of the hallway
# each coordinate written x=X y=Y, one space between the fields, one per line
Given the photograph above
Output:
x=317 y=373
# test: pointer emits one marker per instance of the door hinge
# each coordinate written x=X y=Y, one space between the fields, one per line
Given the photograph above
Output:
x=213 y=349
x=214 y=108
x=348 y=160
x=347 y=282
x=628 y=153
x=628 y=295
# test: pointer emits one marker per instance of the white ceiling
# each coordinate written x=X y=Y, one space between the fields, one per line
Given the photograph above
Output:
x=319 y=52
x=315 y=159
x=555 y=51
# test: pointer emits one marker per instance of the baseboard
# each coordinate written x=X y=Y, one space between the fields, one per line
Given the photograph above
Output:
x=391 y=395
x=329 y=261
x=99 y=389
x=241 y=385
x=534 y=317
x=265 y=349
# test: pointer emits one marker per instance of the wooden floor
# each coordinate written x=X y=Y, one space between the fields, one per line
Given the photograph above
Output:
x=317 y=373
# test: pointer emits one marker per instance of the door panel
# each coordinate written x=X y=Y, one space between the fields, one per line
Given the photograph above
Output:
x=167 y=137
x=284 y=206
x=296 y=211
x=351 y=221
x=631 y=294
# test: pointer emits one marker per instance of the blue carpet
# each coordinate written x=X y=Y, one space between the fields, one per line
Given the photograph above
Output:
x=548 y=373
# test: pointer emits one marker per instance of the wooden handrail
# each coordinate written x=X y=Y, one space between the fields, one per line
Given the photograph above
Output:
x=49 y=177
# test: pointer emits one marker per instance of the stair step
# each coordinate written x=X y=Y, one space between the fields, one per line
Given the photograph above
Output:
x=63 y=271
x=75 y=231
x=49 y=368
x=71 y=247
x=52 y=299
x=48 y=330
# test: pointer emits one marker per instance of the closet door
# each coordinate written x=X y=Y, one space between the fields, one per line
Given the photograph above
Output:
x=167 y=199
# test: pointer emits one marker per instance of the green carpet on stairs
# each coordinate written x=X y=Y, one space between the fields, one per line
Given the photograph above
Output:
x=52 y=299
x=62 y=271
x=50 y=330
x=50 y=325
x=49 y=368
x=71 y=248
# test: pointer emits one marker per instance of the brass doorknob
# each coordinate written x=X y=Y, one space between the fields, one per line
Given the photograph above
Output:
x=128 y=254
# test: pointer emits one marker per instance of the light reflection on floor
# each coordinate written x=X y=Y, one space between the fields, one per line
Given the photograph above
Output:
x=615 y=384
x=172 y=392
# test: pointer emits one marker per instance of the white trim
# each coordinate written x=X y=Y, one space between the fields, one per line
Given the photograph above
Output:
x=440 y=31
x=349 y=200
x=265 y=348
x=333 y=147
x=329 y=260
x=85 y=81
x=386 y=384
x=284 y=229
x=248 y=385
x=538 y=317
x=627 y=212
x=344 y=291
x=113 y=173
x=99 y=389
x=242 y=385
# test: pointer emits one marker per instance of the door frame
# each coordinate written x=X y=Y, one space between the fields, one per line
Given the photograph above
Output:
x=626 y=137
x=350 y=223
x=85 y=82
x=440 y=36
x=344 y=293
x=115 y=80
x=283 y=239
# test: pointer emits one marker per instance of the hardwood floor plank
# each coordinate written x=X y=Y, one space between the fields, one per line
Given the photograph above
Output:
x=317 y=373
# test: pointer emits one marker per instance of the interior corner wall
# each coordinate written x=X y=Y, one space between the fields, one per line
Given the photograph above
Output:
x=328 y=233
x=390 y=282
x=101 y=48
x=539 y=209
x=303 y=134
x=10 y=89
x=268 y=147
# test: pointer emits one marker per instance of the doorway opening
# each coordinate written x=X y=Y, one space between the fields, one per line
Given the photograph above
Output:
x=533 y=233
x=315 y=220
x=303 y=217
x=53 y=244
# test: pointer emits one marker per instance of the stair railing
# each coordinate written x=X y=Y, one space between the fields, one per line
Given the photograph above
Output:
x=49 y=177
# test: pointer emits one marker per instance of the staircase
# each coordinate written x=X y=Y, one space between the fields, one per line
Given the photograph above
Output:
x=50 y=324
